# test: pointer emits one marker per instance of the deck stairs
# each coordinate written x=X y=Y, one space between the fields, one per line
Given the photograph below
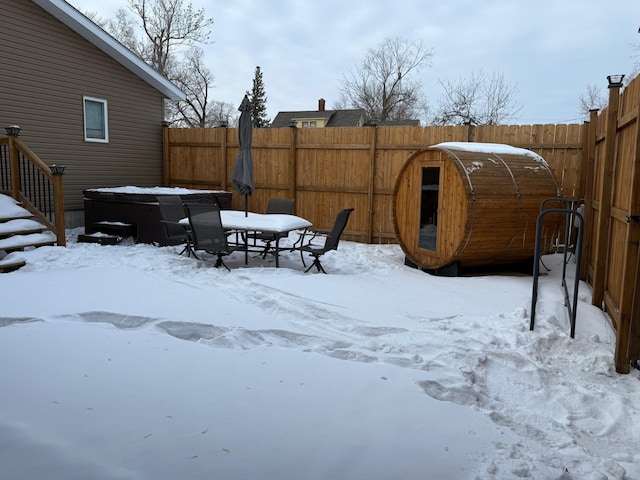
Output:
x=108 y=233
x=19 y=231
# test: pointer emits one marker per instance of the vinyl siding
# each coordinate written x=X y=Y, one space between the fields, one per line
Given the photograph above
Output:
x=46 y=70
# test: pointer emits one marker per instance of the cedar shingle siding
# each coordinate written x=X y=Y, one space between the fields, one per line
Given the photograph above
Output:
x=46 y=69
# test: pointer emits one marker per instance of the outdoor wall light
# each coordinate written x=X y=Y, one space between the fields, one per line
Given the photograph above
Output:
x=57 y=169
x=293 y=123
x=13 y=130
x=615 y=80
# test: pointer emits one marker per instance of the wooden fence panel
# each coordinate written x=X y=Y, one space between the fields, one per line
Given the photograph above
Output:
x=329 y=169
x=598 y=167
x=326 y=170
x=195 y=157
x=613 y=235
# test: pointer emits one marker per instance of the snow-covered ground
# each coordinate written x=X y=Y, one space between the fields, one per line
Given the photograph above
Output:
x=132 y=362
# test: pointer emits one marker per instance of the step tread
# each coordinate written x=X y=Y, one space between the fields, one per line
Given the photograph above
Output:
x=21 y=226
x=11 y=209
x=20 y=242
x=11 y=262
x=100 y=238
x=6 y=217
x=115 y=228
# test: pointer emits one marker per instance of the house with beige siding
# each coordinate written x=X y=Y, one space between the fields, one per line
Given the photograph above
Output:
x=81 y=98
x=322 y=118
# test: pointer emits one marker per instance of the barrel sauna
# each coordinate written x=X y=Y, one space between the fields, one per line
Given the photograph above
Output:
x=472 y=204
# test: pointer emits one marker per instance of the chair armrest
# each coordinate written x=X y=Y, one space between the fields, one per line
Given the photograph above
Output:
x=171 y=222
x=185 y=226
x=239 y=237
x=309 y=235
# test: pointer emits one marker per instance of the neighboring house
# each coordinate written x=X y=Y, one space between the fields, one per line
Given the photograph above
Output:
x=83 y=100
x=333 y=118
x=320 y=118
x=398 y=123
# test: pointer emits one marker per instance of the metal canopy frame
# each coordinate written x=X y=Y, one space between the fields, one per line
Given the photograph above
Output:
x=578 y=219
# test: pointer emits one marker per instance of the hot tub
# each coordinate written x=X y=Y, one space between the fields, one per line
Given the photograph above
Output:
x=138 y=206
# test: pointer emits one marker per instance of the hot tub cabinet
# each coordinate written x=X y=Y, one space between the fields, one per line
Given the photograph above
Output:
x=472 y=204
x=138 y=207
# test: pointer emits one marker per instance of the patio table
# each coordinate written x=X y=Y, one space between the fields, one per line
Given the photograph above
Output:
x=276 y=223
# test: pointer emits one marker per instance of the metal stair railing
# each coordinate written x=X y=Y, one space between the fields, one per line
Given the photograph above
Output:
x=29 y=180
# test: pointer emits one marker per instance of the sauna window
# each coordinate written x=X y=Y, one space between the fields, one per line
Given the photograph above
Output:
x=95 y=120
x=429 y=207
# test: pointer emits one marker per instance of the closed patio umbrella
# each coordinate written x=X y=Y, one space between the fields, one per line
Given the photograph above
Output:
x=242 y=174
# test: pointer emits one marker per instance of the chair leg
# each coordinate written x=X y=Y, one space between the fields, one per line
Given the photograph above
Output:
x=219 y=262
x=265 y=251
x=188 y=248
x=316 y=263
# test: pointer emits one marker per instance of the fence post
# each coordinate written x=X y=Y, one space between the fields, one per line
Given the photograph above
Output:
x=58 y=190
x=14 y=161
x=621 y=357
x=372 y=174
x=293 y=186
x=166 y=161
x=606 y=173
x=588 y=161
x=223 y=156
x=634 y=330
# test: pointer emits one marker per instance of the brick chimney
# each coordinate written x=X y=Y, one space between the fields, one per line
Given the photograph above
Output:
x=321 y=105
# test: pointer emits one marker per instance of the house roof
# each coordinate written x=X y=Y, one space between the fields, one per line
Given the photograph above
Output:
x=332 y=118
x=84 y=27
x=398 y=123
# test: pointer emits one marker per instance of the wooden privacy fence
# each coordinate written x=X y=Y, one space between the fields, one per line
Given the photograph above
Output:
x=328 y=169
x=612 y=215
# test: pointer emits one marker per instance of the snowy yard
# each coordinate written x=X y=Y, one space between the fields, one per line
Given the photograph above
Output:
x=131 y=362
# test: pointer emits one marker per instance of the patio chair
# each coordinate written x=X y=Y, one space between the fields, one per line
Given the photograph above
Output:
x=280 y=205
x=274 y=206
x=171 y=211
x=331 y=241
x=208 y=233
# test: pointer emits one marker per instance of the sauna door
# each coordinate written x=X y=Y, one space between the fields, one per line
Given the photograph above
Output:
x=429 y=207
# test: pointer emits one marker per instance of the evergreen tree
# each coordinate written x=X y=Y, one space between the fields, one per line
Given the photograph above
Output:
x=258 y=100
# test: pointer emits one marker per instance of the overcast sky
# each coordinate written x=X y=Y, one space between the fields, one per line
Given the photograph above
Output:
x=551 y=49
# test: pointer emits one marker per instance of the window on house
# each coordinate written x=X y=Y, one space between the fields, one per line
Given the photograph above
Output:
x=305 y=124
x=95 y=120
x=313 y=124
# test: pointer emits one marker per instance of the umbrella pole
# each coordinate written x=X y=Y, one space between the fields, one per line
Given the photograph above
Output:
x=246 y=205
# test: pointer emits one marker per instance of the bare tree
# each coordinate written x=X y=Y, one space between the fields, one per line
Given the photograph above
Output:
x=123 y=27
x=384 y=85
x=195 y=79
x=636 y=60
x=167 y=25
x=593 y=99
x=167 y=38
x=479 y=99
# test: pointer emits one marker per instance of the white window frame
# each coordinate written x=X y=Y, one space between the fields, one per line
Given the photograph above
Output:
x=105 y=119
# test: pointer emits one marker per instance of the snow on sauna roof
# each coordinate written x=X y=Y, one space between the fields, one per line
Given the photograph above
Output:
x=496 y=148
